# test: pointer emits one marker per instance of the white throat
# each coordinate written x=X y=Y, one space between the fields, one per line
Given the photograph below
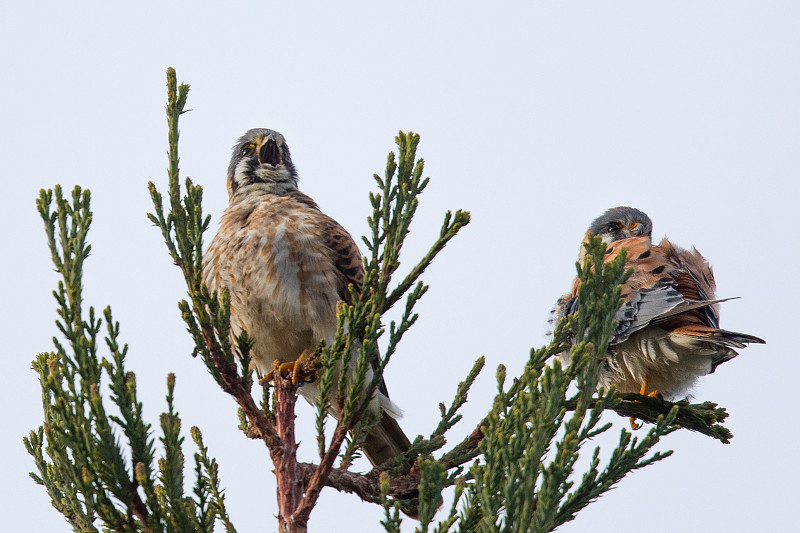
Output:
x=276 y=180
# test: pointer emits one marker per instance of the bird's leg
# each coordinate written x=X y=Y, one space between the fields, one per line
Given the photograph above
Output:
x=643 y=392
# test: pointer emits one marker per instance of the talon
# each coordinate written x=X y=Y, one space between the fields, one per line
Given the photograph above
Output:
x=264 y=381
x=287 y=369
x=651 y=394
x=301 y=371
x=635 y=425
x=296 y=374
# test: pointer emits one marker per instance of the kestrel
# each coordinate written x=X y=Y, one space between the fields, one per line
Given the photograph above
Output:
x=287 y=265
x=668 y=333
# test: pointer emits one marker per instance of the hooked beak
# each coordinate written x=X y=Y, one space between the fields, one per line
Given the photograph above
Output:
x=637 y=229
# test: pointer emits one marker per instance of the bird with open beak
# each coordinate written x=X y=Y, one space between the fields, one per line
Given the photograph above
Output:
x=286 y=266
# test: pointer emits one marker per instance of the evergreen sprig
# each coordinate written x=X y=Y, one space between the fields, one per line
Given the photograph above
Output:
x=393 y=209
x=98 y=466
x=530 y=446
x=207 y=315
x=210 y=495
x=348 y=394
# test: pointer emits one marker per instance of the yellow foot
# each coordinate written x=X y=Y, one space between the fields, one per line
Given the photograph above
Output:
x=643 y=392
x=652 y=394
x=304 y=370
x=284 y=369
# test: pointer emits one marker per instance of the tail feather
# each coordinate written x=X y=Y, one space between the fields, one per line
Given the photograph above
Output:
x=385 y=440
x=743 y=338
x=722 y=337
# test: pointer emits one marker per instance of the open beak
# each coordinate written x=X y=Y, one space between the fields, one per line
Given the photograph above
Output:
x=269 y=153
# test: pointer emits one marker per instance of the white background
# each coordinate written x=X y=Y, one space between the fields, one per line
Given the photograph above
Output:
x=536 y=117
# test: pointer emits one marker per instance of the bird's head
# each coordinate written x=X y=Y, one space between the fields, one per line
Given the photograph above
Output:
x=261 y=162
x=621 y=223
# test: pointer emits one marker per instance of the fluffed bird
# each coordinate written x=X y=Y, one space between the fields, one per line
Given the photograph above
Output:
x=668 y=333
x=287 y=265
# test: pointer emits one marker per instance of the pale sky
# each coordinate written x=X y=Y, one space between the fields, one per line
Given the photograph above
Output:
x=534 y=116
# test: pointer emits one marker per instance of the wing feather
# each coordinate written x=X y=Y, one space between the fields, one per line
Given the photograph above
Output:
x=346 y=258
x=669 y=287
x=345 y=254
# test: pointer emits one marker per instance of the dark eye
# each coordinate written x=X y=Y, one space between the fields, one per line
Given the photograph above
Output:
x=247 y=150
x=612 y=228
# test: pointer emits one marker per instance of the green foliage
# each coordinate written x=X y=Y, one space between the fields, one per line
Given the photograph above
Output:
x=531 y=445
x=182 y=226
x=96 y=455
x=100 y=466
x=393 y=208
x=525 y=479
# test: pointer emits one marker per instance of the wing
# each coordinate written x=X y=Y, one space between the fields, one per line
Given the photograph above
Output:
x=344 y=252
x=674 y=289
x=650 y=292
x=669 y=287
x=647 y=294
x=346 y=258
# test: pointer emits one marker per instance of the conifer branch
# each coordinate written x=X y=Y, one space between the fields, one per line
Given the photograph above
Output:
x=90 y=473
x=101 y=466
x=210 y=497
x=207 y=316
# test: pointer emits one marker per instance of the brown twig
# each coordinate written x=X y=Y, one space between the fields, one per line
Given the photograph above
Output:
x=232 y=384
x=138 y=508
x=703 y=418
x=287 y=473
x=321 y=474
x=365 y=486
x=464 y=450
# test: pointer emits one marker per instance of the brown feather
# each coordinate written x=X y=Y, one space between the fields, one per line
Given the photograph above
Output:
x=346 y=255
x=287 y=266
x=668 y=331
x=385 y=440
